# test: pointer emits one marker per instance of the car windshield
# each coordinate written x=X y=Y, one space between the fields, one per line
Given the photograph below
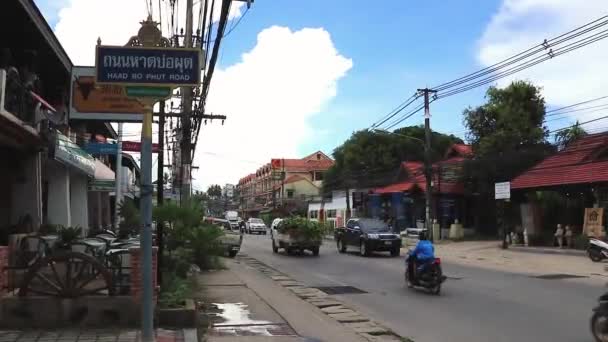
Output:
x=256 y=221
x=373 y=225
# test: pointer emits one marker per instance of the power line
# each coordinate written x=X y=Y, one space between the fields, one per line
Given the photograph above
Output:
x=577 y=104
x=148 y=7
x=234 y=25
x=578 y=124
x=396 y=110
x=522 y=55
x=518 y=62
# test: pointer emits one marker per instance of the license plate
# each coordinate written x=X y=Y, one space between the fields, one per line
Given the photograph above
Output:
x=388 y=242
x=235 y=248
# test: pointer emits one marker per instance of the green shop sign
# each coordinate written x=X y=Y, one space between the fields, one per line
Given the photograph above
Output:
x=72 y=155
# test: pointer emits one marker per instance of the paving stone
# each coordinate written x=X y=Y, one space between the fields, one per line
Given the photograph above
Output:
x=366 y=327
x=336 y=309
x=322 y=303
x=382 y=338
x=348 y=317
x=288 y=283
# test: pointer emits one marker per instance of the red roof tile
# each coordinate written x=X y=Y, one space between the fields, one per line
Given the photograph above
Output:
x=462 y=149
x=576 y=164
x=397 y=187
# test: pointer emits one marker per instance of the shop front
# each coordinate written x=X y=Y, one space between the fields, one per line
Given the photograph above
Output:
x=66 y=178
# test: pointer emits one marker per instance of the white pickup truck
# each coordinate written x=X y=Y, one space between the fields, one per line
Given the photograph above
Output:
x=232 y=239
x=290 y=244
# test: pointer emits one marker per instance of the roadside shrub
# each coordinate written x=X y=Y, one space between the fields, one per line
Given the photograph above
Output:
x=301 y=228
x=176 y=290
x=204 y=242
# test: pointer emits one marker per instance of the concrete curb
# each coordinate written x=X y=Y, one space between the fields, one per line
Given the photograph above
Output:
x=540 y=250
x=343 y=314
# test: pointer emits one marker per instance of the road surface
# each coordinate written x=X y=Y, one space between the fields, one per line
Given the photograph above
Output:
x=476 y=305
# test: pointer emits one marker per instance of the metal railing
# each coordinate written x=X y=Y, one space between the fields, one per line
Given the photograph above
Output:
x=15 y=98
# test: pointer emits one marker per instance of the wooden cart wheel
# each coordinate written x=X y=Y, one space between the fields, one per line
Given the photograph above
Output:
x=67 y=275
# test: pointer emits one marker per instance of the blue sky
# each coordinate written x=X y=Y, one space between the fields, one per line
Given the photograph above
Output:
x=395 y=48
x=299 y=76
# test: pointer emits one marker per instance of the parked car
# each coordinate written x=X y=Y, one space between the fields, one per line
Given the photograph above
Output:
x=291 y=243
x=369 y=235
x=256 y=225
x=232 y=239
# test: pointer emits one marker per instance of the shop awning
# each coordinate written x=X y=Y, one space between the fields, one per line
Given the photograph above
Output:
x=67 y=152
x=104 y=179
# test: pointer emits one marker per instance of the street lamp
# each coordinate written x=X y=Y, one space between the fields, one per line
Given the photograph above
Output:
x=427 y=175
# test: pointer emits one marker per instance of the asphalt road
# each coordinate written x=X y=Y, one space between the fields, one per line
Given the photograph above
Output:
x=476 y=305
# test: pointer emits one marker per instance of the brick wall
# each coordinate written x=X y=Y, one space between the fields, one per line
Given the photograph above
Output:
x=4 y=252
x=136 y=284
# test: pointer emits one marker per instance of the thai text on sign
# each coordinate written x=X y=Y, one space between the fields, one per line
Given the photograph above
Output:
x=148 y=66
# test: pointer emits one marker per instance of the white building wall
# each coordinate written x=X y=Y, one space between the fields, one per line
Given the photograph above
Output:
x=79 y=210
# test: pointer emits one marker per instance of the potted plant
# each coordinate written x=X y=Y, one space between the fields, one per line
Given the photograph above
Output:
x=67 y=236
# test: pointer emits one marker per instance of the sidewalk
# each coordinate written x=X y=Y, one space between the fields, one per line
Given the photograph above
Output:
x=244 y=305
x=527 y=260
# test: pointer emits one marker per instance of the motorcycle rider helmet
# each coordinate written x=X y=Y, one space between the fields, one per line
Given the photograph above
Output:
x=422 y=235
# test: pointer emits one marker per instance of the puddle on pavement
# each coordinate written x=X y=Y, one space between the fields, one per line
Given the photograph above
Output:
x=236 y=314
x=234 y=319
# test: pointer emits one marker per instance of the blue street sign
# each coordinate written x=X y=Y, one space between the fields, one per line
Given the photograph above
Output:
x=101 y=148
x=147 y=66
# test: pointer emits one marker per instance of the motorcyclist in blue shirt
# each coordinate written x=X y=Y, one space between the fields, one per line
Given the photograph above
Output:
x=424 y=253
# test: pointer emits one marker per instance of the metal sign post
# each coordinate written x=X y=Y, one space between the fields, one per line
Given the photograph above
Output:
x=150 y=69
x=502 y=193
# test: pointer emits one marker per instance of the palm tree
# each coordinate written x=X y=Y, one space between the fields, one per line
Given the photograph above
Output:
x=569 y=135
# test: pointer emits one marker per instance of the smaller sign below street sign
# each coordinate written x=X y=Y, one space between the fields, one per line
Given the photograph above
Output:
x=148 y=66
x=502 y=190
x=135 y=146
x=101 y=148
x=159 y=92
x=106 y=102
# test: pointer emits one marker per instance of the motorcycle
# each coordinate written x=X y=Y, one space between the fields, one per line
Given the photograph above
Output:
x=599 y=320
x=597 y=250
x=430 y=278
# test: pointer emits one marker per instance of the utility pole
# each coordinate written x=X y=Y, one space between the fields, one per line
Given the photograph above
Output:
x=186 y=142
x=427 y=160
x=118 y=191
x=160 y=187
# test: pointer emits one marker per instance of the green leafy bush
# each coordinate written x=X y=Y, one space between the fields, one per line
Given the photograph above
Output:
x=131 y=219
x=301 y=228
x=67 y=235
x=176 y=290
x=188 y=240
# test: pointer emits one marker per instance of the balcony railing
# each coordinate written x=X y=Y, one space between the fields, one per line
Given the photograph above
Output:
x=15 y=98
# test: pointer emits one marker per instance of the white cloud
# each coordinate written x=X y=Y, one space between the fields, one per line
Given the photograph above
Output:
x=569 y=78
x=268 y=97
x=81 y=22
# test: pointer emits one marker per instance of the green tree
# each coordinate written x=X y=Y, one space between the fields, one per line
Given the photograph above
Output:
x=372 y=158
x=508 y=137
x=512 y=118
x=214 y=191
x=569 y=135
